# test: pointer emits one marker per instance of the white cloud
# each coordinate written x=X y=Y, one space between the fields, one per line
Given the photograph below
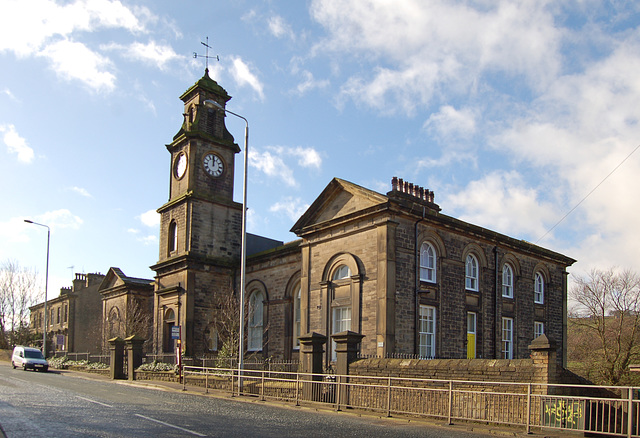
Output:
x=272 y=165
x=449 y=156
x=16 y=144
x=293 y=208
x=148 y=240
x=502 y=202
x=280 y=28
x=450 y=122
x=243 y=76
x=72 y=60
x=10 y=95
x=81 y=191
x=573 y=136
x=310 y=83
x=61 y=218
x=50 y=30
x=308 y=157
x=152 y=52
x=272 y=162
x=150 y=218
x=26 y=27
x=440 y=45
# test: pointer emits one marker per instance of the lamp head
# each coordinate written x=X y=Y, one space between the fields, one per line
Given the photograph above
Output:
x=213 y=104
x=28 y=221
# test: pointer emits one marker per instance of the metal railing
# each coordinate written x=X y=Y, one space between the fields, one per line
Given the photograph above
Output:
x=106 y=359
x=164 y=357
x=251 y=364
x=581 y=408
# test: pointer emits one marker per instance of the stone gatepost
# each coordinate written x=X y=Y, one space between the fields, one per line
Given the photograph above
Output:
x=543 y=354
x=346 y=352
x=311 y=354
x=134 y=354
x=116 y=368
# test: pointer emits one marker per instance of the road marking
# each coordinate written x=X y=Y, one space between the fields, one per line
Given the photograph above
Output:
x=169 y=425
x=93 y=401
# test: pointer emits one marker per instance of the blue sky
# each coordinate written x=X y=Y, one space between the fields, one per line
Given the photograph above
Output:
x=511 y=112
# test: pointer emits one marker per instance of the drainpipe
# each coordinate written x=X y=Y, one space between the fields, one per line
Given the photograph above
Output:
x=417 y=271
x=498 y=328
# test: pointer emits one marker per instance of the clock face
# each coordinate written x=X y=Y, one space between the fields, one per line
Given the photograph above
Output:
x=180 y=165
x=213 y=165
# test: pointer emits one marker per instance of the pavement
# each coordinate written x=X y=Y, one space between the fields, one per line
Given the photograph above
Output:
x=497 y=430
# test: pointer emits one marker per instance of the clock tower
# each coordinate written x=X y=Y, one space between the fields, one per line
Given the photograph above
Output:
x=200 y=225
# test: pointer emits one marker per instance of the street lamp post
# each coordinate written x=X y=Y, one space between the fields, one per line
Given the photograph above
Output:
x=46 y=285
x=243 y=246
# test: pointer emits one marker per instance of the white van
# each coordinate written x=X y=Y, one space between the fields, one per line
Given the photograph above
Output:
x=27 y=357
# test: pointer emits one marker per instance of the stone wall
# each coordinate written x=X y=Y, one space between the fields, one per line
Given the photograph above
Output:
x=277 y=274
x=163 y=376
x=483 y=370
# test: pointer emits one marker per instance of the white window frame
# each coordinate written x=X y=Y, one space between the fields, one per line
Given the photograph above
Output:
x=538 y=289
x=342 y=272
x=538 y=329
x=507 y=281
x=471 y=273
x=256 y=321
x=507 y=338
x=296 y=316
x=427 y=332
x=427 y=263
x=340 y=321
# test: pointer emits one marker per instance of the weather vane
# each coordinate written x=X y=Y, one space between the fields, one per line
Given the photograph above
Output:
x=206 y=55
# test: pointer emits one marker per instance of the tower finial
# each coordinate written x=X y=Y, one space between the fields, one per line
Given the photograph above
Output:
x=206 y=56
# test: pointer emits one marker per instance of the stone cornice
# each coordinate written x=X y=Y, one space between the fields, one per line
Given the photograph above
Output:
x=193 y=196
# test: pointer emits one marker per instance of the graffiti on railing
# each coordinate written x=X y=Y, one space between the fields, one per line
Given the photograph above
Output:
x=563 y=413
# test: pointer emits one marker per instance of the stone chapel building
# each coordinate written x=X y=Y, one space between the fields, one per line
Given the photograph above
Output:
x=391 y=267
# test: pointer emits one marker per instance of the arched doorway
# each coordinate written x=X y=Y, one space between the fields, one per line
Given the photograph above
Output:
x=169 y=320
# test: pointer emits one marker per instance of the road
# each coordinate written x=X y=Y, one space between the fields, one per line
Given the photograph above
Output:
x=58 y=404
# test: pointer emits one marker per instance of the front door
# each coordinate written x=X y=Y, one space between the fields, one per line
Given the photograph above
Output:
x=471 y=335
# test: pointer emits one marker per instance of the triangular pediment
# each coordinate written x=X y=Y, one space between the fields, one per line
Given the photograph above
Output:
x=115 y=277
x=338 y=200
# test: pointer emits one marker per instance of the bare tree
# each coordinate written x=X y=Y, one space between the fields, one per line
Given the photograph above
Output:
x=18 y=292
x=139 y=320
x=226 y=321
x=607 y=317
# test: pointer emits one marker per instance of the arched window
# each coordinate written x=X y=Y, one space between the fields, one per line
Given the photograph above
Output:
x=342 y=272
x=256 y=321
x=427 y=263
x=471 y=273
x=173 y=236
x=507 y=281
x=538 y=291
x=296 y=316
